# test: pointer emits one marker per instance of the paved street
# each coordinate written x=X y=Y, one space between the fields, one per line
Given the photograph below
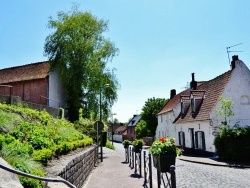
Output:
x=194 y=175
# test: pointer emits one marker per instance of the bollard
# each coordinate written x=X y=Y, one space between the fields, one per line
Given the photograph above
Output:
x=140 y=162
x=145 y=174
x=173 y=178
x=150 y=171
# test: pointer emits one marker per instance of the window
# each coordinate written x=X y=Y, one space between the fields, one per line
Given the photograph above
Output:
x=181 y=135
x=200 y=140
x=192 y=101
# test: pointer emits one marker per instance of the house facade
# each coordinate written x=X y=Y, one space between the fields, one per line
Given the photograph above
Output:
x=33 y=83
x=131 y=135
x=190 y=116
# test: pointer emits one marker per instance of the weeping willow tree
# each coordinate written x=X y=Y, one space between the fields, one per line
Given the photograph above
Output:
x=78 y=50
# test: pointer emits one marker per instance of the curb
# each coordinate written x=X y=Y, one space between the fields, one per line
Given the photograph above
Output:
x=216 y=164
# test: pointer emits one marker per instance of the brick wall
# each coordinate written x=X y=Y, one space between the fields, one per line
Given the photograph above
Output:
x=30 y=91
x=78 y=169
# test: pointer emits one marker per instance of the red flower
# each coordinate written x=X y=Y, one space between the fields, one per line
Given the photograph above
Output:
x=162 y=139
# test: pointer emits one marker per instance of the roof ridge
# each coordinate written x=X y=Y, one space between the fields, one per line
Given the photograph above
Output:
x=40 y=62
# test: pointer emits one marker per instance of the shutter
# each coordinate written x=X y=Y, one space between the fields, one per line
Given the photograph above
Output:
x=196 y=139
x=203 y=141
x=179 y=135
x=183 y=139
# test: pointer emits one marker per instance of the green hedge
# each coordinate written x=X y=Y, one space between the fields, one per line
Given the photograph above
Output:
x=233 y=144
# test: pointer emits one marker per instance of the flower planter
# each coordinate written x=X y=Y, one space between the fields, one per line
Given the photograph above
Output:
x=137 y=149
x=126 y=146
x=163 y=162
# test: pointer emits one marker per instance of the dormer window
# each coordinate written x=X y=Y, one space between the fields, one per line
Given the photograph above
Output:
x=196 y=98
x=192 y=102
x=185 y=100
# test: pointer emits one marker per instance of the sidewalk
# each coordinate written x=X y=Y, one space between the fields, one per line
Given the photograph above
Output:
x=113 y=172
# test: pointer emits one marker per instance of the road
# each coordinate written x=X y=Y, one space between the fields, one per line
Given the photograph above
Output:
x=194 y=175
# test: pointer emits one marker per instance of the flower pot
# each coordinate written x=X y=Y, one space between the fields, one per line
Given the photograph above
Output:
x=163 y=162
x=155 y=159
x=137 y=149
x=126 y=146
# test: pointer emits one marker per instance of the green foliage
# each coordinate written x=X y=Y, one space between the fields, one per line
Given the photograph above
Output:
x=149 y=114
x=165 y=146
x=85 y=126
x=79 y=52
x=225 y=109
x=8 y=121
x=233 y=144
x=37 y=136
x=138 y=143
x=126 y=143
x=16 y=148
x=141 y=129
x=109 y=145
x=42 y=155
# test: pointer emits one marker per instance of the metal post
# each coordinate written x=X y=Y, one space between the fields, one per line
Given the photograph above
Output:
x=113 y=132
x=97 y=139
x=150 y=171
x=135 y=165
x=100 y=117
x=140 y=162
x=144 y=162
x=173 y=178
x=159 y=178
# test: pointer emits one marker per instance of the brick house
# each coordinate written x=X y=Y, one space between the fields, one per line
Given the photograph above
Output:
x=33 y=83
x=131 y=127
x=190 y=116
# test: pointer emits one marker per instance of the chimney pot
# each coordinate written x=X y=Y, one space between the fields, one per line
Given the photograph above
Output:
x=193 y=83
x=234 y=58
x=172 y=93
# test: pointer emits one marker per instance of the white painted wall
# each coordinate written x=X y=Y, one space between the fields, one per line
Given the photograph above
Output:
x=165 y=126
x=56 y=92
x=238 y=89
x=197 y=126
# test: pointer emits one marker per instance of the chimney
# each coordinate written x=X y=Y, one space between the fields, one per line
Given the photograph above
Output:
x=234 y=58
x=193 y=83
x=172 y=93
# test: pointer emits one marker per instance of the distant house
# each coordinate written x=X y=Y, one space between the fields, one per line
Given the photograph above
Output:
x=131 y=127
x=33 y=83
x=190 y=116
x=119 y=131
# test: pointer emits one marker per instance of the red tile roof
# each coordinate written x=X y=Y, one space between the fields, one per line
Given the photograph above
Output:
x=173 y=102
x=212 y=89
x=25 y=72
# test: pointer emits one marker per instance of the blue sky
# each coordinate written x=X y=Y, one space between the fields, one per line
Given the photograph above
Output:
x=161 y=42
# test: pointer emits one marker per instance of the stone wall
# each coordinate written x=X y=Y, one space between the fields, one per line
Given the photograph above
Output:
x=78 y=168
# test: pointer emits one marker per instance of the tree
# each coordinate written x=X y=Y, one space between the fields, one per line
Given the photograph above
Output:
x=225 y=109
x=149 y=113
x=79 y=52
x=141 y=129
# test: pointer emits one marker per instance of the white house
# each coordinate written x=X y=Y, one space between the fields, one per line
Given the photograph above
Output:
x=190 y=116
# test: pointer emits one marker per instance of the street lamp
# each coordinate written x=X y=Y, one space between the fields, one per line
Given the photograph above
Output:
x=100 y=100
x=113 y=127
x=100 y=109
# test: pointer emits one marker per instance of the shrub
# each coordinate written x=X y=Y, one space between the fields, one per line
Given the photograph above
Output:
x=138 y=143
x=16 y=148
x=109 y=145
x=42 y=155
x=233 y=144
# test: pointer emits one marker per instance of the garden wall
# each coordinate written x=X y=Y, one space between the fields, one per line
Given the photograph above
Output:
x=77 y=169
